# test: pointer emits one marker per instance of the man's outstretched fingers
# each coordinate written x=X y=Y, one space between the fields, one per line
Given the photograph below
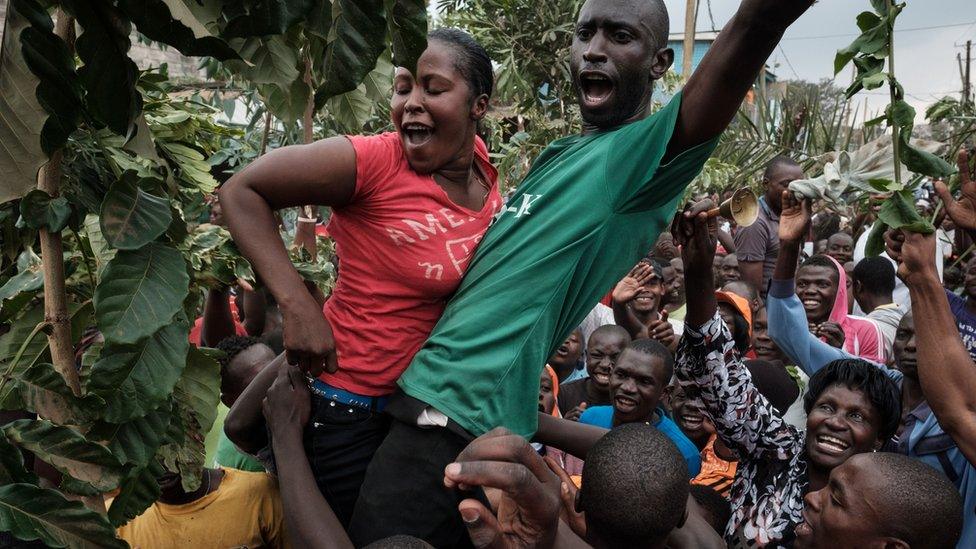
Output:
x=511 y=478
x=483 y=528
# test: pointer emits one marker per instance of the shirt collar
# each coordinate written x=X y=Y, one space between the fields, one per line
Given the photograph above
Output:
x=769 y=211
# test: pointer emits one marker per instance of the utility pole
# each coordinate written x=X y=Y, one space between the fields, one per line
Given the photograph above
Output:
x=691 y=18
x=967 y=88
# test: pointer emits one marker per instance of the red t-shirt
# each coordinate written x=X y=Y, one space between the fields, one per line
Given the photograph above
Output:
x=403 y=247
x=197 y=330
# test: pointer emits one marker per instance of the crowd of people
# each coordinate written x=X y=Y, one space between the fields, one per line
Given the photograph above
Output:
x=585 y=362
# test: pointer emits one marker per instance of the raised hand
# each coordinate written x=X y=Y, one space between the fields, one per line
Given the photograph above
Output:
x=696 y=234
x=528 y=511
x=915 y=254
x=630 y=285
x=832 y=333
x=567 y=494
x=662 y=331
x=575 y=413
x=794 y=220
x=308 y=341
x=962 y=211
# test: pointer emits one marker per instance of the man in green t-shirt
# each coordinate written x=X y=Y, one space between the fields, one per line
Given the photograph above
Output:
x=590 y=207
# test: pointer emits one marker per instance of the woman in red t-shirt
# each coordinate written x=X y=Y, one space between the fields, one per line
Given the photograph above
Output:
x=409 y=208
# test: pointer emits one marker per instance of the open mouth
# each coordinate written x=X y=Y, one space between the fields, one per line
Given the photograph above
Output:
x=562 y=351
x=811 y=304
x=831 y=445
x=416 y=134
x=624 y=404
x=596 y=87
x=691 y=421
x=601 y=377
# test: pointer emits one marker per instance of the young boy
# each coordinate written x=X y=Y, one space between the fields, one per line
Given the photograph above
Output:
x=637 y=383
x=602 y=350
x=566 y=359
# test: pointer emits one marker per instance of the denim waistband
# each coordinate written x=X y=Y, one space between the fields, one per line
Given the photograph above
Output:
x=342 y=396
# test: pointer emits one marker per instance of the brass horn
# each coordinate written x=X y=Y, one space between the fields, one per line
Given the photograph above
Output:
x=742 y=207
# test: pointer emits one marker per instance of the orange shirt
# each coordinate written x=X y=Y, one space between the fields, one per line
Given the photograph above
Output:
x=716 y=473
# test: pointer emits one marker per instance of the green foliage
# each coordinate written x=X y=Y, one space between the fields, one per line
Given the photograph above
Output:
x=40 y=211
x=32 y=513
x=131 y=217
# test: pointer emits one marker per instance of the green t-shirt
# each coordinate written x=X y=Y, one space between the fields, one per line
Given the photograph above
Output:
x=589 y=209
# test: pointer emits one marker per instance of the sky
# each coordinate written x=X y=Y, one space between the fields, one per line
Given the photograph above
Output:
x=925 y=60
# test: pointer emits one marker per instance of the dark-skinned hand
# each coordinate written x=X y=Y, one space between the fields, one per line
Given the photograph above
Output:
x=832 y=333
x=696 y=234
x=661 y=330
x=308 y=340
x=914 y=253
x=528 y=510
x=575 y=413
x=794 y=221
x=629 y=286
x=962 y=211
x=287 y=405
x=567 y=495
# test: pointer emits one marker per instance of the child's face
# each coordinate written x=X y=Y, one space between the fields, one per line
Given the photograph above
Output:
x=568 y=354
x=601 y=354
x=547 y=397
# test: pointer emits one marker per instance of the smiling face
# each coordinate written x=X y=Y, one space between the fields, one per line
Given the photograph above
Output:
x=730 y=268
x=762 y=344
x=816 y=286
x=842 y=423
x=840 y=246
x=636 y=385
x=435 y=113
x=846 y=512
x=904 y=347
x=689 y=413
x=602 y=352
x=648 y=299
x=618 y=51
x=674 y=293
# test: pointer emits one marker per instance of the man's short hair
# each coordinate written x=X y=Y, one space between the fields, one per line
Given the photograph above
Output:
x=654 y=348
x=776 y=163
x=233 y=346
x=919 y=505
x=860 y=375
x=635 y=487
x=399 y=542
x=821 y=260
x=876 y=275
x=610 y=330
x=717 y=509
x=743 y=289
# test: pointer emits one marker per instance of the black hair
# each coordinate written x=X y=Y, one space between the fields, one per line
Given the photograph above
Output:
x=743 y=289
x=717 y=509
x=926 y=515
x=825 y=224
x=400 y=541
x=876 y=275
x=777 y=162
x=860 y=375
x=471 y=59
x=774 y=383
x=635 y=487
x=740 y=329
x=653 y=347
x=610 y=330
x=821 y=260
x=233 y=346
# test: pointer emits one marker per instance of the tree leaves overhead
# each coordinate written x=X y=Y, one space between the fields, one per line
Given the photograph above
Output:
x=40 y=210
x=899 y=212
x=29 y=276
x=67 y=451
x=131 y=217
x=135 y=379
x=12 y=467
x=139 y=491
x=31 y=513
x=108 y=74
x=140 y=292
x=358 y=31
x=263 y=17
x=43 y=390
x=135 y=441
x=408 y=31
x=39 y=100
x=172 y=23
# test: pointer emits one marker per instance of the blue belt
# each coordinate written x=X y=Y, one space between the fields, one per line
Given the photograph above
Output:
x=335 y=394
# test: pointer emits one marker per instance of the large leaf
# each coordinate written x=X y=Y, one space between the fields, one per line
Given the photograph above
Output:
x=100 y=249
x=108 y=74
x=39 y=100
x=263 y=17
x=273 y=60
x=67 y=451
x=43 y=390
x=135 y=441
x=898 y=212
x=31 y=513
x=288 y=104
x=139 y=491
x=139 y=293
x=357 y=40
x=351 y=109
x=12 y=468
x=40 y=210
x=29 y=277
x=135 y=379
x=131 y=217
x=171 y=22
x=408 y=31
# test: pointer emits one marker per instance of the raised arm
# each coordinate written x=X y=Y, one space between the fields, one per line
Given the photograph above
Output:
x=716 y=89
x=324 y=173
x=218 y=321
x=945 y=369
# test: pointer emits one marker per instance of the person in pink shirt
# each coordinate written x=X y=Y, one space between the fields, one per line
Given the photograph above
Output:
x=409 y=208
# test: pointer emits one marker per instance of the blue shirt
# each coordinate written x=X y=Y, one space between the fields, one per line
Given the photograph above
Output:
x=923 y=438
x=602 y=416
x=965 y=321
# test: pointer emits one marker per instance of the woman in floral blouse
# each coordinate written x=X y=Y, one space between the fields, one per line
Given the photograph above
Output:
x=852 y=407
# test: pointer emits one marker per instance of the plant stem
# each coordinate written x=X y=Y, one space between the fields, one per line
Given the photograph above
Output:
x=264 y=136
x=892 y=87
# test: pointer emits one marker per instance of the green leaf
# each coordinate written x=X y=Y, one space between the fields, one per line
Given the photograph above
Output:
x=139 y=491
x=876 y=121
x=923 y=162
x=29 y=278
x=356 y=41
x=12 y=467
x=902 y=114
x=272 y=61
x=882 y=185
x=131 y=217
x=139 y=293
x=67 y=451
x=874 y=81
x=264 y=17
x=198 y=390
x=867 y=20
x=875 y=244
x=408 y=31
x=41 y=211
x=108 y=74
x=31 y=513
x=172 y=23
x=100 y=249
x=135 y=379
x=135 y=441
x=351 y=109
x=898 y=212
x=43 y=391
x=288 y=104
x=39 y=96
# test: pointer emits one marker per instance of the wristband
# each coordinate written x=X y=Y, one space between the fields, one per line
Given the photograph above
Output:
x=308 y=219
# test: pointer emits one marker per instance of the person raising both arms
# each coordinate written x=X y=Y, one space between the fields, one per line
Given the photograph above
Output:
x=409 y=208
